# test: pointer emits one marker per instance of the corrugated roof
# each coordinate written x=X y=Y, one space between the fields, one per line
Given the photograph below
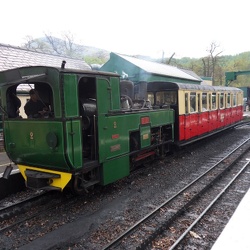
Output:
x=158 y=68
x=14 y=57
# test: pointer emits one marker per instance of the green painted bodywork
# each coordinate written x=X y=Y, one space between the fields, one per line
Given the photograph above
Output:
x=145 y=136
x=26 y=140
x=122 y=125
x=74 y=144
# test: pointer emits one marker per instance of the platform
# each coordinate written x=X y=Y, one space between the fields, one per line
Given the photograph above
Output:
x=11 y=183
x=4 y=162
x=236 y=234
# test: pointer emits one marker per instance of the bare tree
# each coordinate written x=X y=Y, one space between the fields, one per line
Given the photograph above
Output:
x=36 y=45
x=29 y=41
x=169 y=60
x=54 y=43
x=210 y=62
x=69 y=43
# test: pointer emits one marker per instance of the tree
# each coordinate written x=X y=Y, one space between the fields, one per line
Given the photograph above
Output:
x=37 y=45
x=64 y=46
x=210 y=62
x=69 y=44
x=53 y=45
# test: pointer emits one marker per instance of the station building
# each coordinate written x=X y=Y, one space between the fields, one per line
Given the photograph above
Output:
x=139 y=70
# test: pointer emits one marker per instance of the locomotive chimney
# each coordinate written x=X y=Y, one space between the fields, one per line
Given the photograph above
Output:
x=63 y=64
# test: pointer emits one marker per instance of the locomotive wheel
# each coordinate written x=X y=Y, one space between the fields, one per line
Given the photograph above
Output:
x=77 y=186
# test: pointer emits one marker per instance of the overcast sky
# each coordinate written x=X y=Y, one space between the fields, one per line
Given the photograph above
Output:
x=147 y=27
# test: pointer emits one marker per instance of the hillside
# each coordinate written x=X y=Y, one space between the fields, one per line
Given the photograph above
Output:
x=57 y=46
x=212 y=66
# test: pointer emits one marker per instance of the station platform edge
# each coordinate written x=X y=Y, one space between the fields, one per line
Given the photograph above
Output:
x=236 y=234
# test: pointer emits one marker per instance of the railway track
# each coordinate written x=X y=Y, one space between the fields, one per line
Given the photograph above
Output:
x=173 y=220
x=10 y=209
x=36 y=204
x=46 y=226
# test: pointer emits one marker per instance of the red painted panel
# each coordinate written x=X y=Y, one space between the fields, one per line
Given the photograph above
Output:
x=213 y=120
x=221 y=118
x=181 y=127
x=240 y=113
x=204 y=122
x=145 y=120
x=187 y=127
x=194 y=125
x=194 y=121
x=228 y=116
x=233 y=114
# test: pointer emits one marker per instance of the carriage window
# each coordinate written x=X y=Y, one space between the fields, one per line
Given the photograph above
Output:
x=204 y=102
x=192 y=102
x=186 y=103
x=228 y=98
x=213 y=99
x=221 y=100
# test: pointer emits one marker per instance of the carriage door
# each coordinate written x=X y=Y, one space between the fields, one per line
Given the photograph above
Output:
x=199 y=103
x=187 y=117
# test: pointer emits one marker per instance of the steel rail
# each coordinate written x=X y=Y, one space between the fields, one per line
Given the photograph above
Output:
x=177 y=242
x=29 y=199
x=151 y=214
x=35 y=214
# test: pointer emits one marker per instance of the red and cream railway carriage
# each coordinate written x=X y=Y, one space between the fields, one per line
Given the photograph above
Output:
x=199 y=109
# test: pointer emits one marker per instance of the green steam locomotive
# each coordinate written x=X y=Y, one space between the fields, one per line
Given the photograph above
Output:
x=93 y=128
